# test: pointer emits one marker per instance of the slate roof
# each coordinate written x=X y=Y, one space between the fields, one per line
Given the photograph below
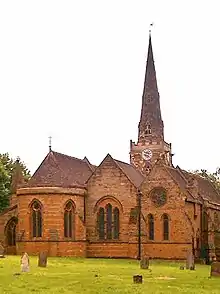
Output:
x=61 y=170
x=205 y=188
x=129 y=170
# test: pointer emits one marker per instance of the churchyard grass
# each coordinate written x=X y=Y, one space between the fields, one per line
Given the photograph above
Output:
x=78 y=275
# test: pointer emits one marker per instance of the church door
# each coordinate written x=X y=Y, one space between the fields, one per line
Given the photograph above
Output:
x=10 y=234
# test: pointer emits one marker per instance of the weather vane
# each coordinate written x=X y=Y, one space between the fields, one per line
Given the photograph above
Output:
x=50 y=142
x=151 y=27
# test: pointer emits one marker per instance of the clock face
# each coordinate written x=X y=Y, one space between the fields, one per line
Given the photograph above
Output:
x=147 y=154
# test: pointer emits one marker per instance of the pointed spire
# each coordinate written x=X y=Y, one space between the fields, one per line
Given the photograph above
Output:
x=17 y=177
x=151 y=124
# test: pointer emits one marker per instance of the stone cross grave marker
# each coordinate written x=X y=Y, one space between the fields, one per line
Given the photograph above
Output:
x=144 y=263
x=190 y=261
x=25 y=264
x=42 y=259
x=215 y=269
x=2 y=251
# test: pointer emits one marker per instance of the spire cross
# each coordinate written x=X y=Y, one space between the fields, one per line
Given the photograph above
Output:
x=50 y=142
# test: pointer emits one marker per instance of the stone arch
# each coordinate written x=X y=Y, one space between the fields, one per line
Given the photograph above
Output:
x=36 y=218
x=10 y=235
x=111 y=199
x=108 y=210
x=69 y=201
x=69 y=211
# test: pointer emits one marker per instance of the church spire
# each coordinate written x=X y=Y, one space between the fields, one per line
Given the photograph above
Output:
x=151 y=124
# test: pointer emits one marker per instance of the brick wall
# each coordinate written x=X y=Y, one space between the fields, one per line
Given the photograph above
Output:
x=180 y=229
x=110 y=185
x=4 y=219
x=53 y=203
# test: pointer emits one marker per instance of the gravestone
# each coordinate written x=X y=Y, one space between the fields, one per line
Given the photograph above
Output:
x=190 y=261
x=144 y=263
x=2 y=251
x=137 y=279
x=25 y=264
x=42 y=259
x=215 y=269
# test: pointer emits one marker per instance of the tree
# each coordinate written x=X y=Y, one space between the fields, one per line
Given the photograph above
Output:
x=214 y=178
x=4 y=187
x=7 y=166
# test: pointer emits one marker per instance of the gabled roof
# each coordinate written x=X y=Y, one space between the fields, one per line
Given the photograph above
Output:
x=61 y=170
x=177 y=177
x=132 y=174
x=206 y=189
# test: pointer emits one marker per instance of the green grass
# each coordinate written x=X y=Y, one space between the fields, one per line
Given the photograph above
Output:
x=76 y=275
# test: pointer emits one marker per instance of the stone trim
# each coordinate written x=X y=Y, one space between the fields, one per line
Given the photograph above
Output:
x=51 y=190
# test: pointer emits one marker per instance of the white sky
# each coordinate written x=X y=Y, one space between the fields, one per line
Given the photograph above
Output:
x=75 y=70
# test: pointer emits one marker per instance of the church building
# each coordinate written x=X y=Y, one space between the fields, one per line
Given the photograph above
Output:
x=71 y=207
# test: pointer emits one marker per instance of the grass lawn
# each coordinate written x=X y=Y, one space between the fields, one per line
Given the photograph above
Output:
x=76 y=275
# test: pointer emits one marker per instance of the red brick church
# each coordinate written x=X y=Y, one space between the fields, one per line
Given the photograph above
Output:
x=71 y=207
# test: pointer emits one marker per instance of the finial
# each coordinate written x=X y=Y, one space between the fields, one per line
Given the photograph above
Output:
x=50 y=142
x=151 y=27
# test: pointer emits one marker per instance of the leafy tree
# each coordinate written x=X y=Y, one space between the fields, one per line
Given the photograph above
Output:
x=214 y=178
x=7 y=166
x=4 y=187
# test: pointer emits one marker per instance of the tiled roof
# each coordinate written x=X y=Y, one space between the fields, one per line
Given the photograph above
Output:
x=206 y=189
x=129 y=170
x=180 y=180
x=61 y=171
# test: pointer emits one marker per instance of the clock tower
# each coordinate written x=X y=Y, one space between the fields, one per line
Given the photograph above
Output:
x=151 y=146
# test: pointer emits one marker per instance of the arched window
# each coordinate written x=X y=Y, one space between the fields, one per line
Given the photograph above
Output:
x=108 y=223
x=11 y=232
x=36 y=213
x=151 y=226
x=165 y=227
x=116 y=223
x=109 y=220
x=148 y=130
x=101 y=223
x=69 y=220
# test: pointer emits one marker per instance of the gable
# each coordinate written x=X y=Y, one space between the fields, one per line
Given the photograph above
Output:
x=206 y=189
x=110 y=164
x=167 y=176
x=61 y=170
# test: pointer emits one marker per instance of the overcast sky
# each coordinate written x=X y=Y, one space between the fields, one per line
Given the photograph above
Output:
x=75 y=70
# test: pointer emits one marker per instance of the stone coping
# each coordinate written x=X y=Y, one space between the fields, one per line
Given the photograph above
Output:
x=51 y=190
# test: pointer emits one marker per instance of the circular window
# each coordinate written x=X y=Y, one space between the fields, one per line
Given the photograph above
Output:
x=158 y=196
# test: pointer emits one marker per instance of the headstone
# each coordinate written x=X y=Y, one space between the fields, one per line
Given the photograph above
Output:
x=2 y=251
x=42 y=259
x=215 y=269
x=25 y=264
x=190 y=261
x=144 y=263
x=137 y=279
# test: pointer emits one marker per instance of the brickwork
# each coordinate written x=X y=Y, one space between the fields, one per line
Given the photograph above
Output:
x=53 y=202
x=173 y=201
x=109 y=185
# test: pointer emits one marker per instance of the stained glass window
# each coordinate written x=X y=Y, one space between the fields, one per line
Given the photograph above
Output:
x=151 y=226
x=36 y=212
x=69 y=220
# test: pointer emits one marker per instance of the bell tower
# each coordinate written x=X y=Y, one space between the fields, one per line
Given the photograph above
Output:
x=150 y=146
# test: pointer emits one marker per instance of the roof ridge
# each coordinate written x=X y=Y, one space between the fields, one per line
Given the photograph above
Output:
x=69 y=156
x=131 y=165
